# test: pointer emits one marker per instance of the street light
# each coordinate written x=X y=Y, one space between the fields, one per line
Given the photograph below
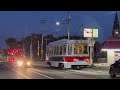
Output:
x=116 y=32
x=57 y=23
x=68 y=22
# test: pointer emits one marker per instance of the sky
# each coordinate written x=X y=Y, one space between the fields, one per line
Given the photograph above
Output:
x=19 y=24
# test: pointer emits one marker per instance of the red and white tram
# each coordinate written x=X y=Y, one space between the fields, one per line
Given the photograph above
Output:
x=68 y=54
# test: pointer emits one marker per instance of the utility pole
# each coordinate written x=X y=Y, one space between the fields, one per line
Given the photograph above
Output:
x=23 y=48
x=43 y=22
x=91 y=49
x=38 y=49
x=31 y=54
x=42 y=49
x=46 y=41
x=46 y=45
x=68 y=25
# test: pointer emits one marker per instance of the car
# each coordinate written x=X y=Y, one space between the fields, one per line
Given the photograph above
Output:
x=24 y=63
x=115 y=69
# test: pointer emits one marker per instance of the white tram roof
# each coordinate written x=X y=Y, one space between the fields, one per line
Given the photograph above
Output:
x=65 y=41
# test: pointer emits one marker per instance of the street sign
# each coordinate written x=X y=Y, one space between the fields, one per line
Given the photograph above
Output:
x=91 y=42
x=95 y=33
x=87 y=32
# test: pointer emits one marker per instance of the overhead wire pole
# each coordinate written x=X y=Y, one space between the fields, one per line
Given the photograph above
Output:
x=42 y=48
x=46 y=42
x=42 y=51
x=46 y=46
x=38 y=48
x=68 y=25
x=31 y=45
x=23 y=47
x=24 y=41
x=31 y=54
x=91 y=51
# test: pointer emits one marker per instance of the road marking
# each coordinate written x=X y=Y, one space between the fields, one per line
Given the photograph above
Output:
x=73 y=73
x=37 y=70
x=41 y=74
x=69 y=72
x=18 y=72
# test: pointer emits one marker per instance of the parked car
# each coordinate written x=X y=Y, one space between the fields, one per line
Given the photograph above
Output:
x=115 y=69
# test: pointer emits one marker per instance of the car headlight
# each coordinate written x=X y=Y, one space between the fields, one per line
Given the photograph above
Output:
x=19 y=63
x=28 y=63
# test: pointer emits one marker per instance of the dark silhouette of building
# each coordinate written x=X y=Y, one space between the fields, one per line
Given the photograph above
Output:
x=116 y=29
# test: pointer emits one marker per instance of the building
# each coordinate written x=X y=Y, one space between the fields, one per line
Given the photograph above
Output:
x=112 y=45
x=116 y=28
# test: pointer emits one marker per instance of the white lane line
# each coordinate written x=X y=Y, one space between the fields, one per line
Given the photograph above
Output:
x=18 y=72
x=41 y=74
x=37 y=70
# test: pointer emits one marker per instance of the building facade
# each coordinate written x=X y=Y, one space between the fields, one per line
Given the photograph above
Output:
x=112 y=45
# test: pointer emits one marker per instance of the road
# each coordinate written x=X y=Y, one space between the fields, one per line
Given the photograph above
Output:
x=9 y=71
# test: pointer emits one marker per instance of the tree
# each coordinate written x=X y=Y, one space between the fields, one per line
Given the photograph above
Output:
x=97 y=49
x=11 y=42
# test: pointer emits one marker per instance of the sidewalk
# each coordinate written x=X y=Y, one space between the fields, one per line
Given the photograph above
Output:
x=101 y=66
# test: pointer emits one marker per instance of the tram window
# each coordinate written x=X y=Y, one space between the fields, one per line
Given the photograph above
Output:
x=64 y=49
x=60 y=50
x=69 y=49
x=54 y=50
x=78 y=48
x=57 y=50
x=49 y=52
x=85 y=50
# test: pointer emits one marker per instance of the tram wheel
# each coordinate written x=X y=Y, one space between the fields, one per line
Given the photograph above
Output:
x=78 y=67
x=61 y=66
x=50 y=65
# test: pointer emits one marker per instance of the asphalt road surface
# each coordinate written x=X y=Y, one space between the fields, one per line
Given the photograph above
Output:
x=10 y=71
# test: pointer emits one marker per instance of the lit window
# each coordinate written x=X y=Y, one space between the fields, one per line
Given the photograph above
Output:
x=80 y=49
x=69 y=49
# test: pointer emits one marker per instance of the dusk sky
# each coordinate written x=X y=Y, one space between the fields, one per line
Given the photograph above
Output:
x=19 y=24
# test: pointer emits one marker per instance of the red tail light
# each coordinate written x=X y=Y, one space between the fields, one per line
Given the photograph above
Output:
x=87 y=60
x=74 y=60
x=11 y=60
